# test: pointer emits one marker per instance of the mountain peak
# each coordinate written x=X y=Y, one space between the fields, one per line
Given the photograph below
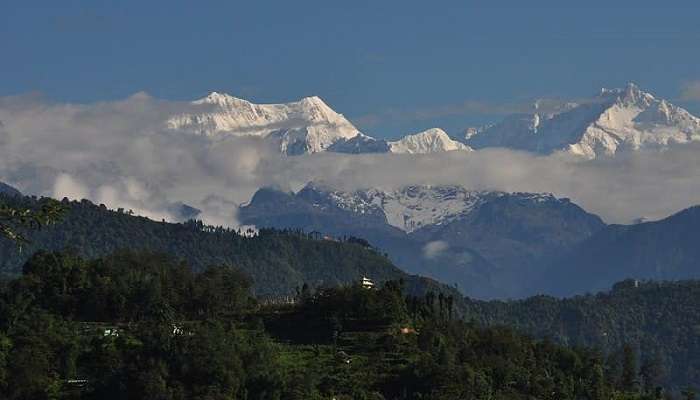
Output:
x=619 y=119
x=221 y=99
x=629 y=95
x=435 y=132
x=315 y=100
x=318 y=109
x=433 y=140
x=308 y=125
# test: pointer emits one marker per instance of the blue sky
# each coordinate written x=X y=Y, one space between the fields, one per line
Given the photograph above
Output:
x=392 y=67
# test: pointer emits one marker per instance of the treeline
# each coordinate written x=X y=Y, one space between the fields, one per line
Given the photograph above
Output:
x=136 y=325
x=127 y=287
x=130 y=325
x=658 y=321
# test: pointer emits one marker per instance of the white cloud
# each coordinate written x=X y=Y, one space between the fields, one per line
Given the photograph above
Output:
x=433 y=249
x=66 y=186
x=118 y=153
x=620 y=189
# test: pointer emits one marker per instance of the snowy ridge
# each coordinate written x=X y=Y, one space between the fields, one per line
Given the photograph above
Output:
x=433 y=140
x=304 y=126
x=616 y=120
x=634 y=120
x=301 y=127
x=410 y=208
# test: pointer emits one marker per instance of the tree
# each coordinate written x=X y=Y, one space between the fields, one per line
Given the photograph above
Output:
x=450 y=305
x=597 y=383
x=629 y=369
x=689 y=394
x=14 y=219
x=652 y=372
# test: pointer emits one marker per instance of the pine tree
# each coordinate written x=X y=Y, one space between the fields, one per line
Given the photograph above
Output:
x=629 y=369
x=652 y=372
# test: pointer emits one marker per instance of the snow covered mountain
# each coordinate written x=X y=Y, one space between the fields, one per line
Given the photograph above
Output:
x=301 y=127
x=408 y=208
x=305 y=126
x=615 y=120
x=433 y=140
x=492 y=244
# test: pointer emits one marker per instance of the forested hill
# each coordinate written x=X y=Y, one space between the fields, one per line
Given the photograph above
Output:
x=661 y=320
x=8 y=190
x=277 y=261
x=135 y=325
x=659 y=250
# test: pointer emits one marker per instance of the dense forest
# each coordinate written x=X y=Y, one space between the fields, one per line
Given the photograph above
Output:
x=660 y=320
x=136 y=325
x=276 y=261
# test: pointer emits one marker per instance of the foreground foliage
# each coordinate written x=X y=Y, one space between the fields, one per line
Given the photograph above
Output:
x=660 y=321
x=137 y=325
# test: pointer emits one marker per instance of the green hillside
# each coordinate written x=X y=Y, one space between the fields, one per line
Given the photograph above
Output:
x=277 y=261
x=143 y=326
x=661 y=320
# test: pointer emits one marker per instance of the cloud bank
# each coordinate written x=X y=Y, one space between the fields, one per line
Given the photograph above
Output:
x=121 y=154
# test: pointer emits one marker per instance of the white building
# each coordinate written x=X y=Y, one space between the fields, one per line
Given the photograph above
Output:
x=367 y=283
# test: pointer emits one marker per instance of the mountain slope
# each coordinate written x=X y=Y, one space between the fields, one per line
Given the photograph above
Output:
x=616 y=120
x=360 y=144
x=489 y=243
x=311 y=210
x=277 y=262
x=660 y=250
x=433 y=140
x=6 y=189
x=660 y=319
x=518 y=233
x=301 y=127
x=304 y=126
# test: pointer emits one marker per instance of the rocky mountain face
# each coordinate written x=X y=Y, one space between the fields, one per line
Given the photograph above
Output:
x=487 y=243
x=615 y=120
